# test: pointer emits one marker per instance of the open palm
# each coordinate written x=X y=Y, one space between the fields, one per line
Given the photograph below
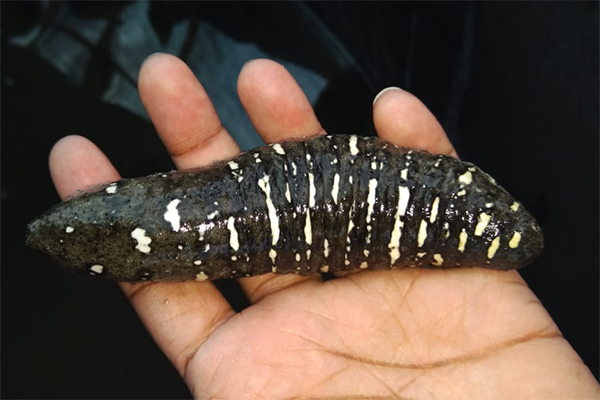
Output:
x=412 y=333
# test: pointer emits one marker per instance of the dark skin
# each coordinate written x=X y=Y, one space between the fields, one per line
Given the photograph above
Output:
x=413 y=333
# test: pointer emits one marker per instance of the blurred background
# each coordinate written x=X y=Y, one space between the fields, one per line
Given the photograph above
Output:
x=515 y=85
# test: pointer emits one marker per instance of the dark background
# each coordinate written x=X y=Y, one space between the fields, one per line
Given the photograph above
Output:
x=514 y=84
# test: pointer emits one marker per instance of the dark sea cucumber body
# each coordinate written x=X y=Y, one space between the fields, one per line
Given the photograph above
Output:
x=329 y=203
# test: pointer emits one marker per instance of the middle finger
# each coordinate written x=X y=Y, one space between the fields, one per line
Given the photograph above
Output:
x=279 y=110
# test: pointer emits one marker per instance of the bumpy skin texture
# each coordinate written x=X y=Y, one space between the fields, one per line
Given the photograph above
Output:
x=329 y=203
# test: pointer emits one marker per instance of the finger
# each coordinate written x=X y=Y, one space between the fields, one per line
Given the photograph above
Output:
x=279 y=110
x=181 y=315
x=182 y=113
x=276 y=105
x=76 y=163
x=178 y=315
x=403 y=119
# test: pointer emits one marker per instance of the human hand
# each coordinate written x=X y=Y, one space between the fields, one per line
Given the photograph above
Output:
x=410 y=333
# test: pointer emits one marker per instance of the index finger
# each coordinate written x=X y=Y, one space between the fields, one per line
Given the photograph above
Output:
x=183 y=114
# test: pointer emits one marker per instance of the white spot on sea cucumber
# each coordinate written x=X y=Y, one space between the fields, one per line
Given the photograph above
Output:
x=112 y=188
x=326 y=248
x=256 y=155
x=373 y=164
x=493 y=247
x=472 y=169
x=197 y=262
x=346 y=260
x=514 y=241
x=434 y=209
x=437 y=260
x=371 y=198
x=325 y=268
x=421 y=255
x=298 y=257
x=335 y=188
x=233 y=165
x=403 y=197
x=258 y=160
x=288 y=195
x=514 y=206
x=308 y=254
x=462 y=240
x=422 y=235
x=164 y=175
x=278 y=149
x=180 y=247
x=308 y=229
x=202 y=228
x=212 y=214
x=350 y=179
x=69 y=229
x=274 y=269
x=404 y=174
x=437 y=162
x=466 y=178
x=273 y=219
x=139 y=235
x=461 y=192
x=366 y=253
x=335 y=161
x=484 y=220
x=201 y=276
x=446 y=230
x=97 y=268
x=273 y=255
x=363 y=265
x=172 y=215
x=489 y=205
x=294 y=169
x=240 y=178
x=353 y=147
x=233 y=258
x=312 y=190
x=394 y=245
x=350 y=226
x=233 y=237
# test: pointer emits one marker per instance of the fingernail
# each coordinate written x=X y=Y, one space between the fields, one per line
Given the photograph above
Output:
x=151 y=55
x=247 y=62
x=387 y=89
